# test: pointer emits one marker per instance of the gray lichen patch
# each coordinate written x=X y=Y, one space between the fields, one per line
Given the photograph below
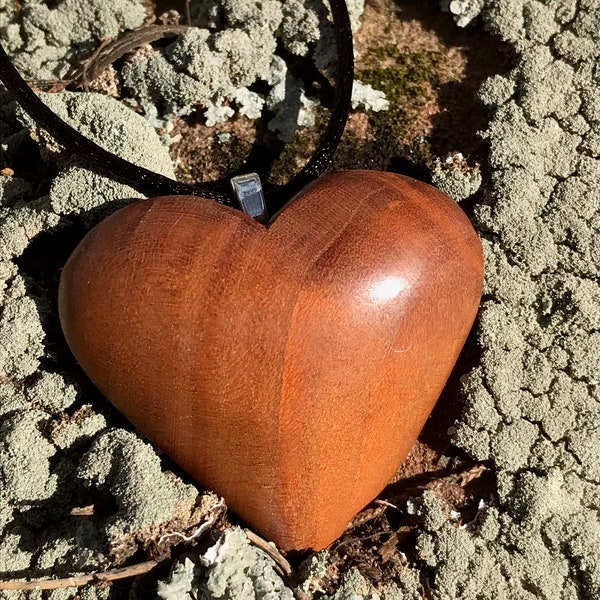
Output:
x=116 y=128
x=14 y=189
x=79 y=428
x=47 y=39
x=15 y=557
x=12 y=399
x=25 y=474
x=456 y=177
x=21 y=332
x=130 y=471
x=21 y=223
x=238 y=570
x=231 y=569
x=215 y=69
x=52 y=393
x=532 y=401
x=212 y=69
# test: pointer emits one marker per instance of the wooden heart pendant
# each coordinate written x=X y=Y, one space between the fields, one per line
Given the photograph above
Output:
x=291 y=367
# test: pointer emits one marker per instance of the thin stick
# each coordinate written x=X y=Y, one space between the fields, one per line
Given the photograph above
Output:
x=110 y=51
x=385 y=503
x=271 y=550
x=80 y=580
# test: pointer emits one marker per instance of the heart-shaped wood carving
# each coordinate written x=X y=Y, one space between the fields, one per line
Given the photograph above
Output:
x=290 y=368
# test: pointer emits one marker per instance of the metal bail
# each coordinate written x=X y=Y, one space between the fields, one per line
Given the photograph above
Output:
x=248 y=190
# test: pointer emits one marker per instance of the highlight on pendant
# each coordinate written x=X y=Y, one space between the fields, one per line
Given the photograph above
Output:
x=387 y=289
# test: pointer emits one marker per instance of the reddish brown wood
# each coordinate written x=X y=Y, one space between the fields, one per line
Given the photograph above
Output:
x=289 y=368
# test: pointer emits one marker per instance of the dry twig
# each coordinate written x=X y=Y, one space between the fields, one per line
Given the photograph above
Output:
x=111 y=50
x=271 y=550
x=80 y=580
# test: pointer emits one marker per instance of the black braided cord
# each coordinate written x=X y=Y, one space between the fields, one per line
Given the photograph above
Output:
x=152 y=184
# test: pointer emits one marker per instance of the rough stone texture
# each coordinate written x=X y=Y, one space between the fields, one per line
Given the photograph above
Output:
x=20 y=331
x=231 y=569
x=111 y=125
x=533 y=402
x=55 y=34
x=215 y=69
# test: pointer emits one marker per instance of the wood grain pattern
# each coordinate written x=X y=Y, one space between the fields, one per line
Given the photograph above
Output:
x=290 y=367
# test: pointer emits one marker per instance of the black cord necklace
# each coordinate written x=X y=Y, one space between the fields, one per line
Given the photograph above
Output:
x=151 y=184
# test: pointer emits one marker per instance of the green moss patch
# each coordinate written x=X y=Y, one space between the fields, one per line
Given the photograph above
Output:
x=409 y=82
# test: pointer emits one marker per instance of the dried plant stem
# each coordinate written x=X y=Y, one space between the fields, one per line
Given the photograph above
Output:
x=271 y=550
x=80 y=580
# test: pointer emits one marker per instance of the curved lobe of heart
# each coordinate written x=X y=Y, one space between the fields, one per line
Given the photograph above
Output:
x=290 y=367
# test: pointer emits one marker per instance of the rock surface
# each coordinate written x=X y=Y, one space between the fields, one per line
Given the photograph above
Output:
x=532 y=409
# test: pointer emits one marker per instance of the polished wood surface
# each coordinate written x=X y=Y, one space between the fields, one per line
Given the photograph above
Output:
x=290 y=368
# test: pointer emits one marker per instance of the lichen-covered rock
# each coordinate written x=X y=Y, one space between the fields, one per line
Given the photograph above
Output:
x=116 y=128
x=52 y=392
x=55 y=34
x=231 y=569
x=534 y=402
x=25 y=453
x=21 y=332
x=130 y=471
